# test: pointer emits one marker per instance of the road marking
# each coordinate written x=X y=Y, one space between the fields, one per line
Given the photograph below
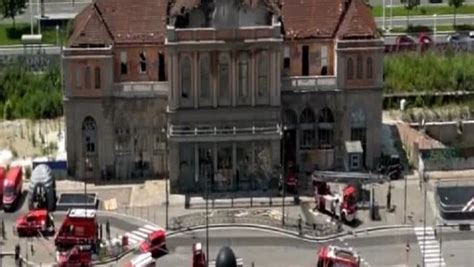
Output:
x=429 y=247
x=138 y=233
x=145 y=230
x=151 y=227
x=134 y=237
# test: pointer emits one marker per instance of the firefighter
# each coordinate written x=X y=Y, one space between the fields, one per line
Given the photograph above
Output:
x=17 y=253
x=300 y=228
x=107 y=229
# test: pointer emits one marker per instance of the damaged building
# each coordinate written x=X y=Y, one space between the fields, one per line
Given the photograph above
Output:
x=224 y=92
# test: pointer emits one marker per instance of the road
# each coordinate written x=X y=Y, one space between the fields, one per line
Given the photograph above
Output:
x=267 y=249
x=426 y=20
x=394 y=2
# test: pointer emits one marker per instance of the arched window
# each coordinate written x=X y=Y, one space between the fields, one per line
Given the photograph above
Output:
x=97 y=77
x=307 y=127
x=359 y=67
x=350 y=69
x=224 y=76
x=87 y=77
x=185 y=77
x=326 y=128
x=243 y=75
x=369 y=68
x=142 y=61
x=263 y=68
x=205 y=77
x=89 y=135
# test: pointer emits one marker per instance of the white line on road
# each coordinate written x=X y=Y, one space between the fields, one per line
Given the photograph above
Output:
x=134 y=237
x=136 y=232
x=151 y=227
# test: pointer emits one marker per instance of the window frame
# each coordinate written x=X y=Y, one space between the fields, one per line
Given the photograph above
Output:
x=370 y=68
x=97 y=78
x=78 y=78
x=263 y=74
x=87 y=77
x=142 y=62
x=244 y=59
x=123 y=63
x=359 y=68
x=205 y=64
x=185 y=80
x=350 y=69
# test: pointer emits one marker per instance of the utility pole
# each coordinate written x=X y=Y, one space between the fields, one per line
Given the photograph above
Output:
x=282 y=179
x=405 y=202
x=207 y=218
x=163 y=133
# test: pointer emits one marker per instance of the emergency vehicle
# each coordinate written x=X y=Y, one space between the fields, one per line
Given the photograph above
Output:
x=78 y=228
x=199 y=257
x=342 y=204
x=80 y=256
x=2 y=178
x=12 y=187
x=37 y=221
x=155 y=243
x=332 y=256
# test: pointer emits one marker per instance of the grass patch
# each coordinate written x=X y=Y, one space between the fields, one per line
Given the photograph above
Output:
x=10 y=35
x=429 y=72
x=377 y=11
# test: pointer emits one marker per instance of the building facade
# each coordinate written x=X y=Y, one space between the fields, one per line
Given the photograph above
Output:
x=221 y=92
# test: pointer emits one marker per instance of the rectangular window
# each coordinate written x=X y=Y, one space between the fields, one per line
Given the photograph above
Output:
x=143 y=63
x=243 y=78
x=87 y=77
x=286 y=57
x=224 y=80
x=305 y=61
x=97 y=77
x=161 y=67
x=123 y=63
x=78 y=77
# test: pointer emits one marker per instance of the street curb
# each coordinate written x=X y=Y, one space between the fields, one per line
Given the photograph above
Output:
x=293 y=233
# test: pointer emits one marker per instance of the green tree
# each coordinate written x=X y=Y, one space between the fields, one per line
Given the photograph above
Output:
x=455 y=4
x=12 y=8
x=410 y=5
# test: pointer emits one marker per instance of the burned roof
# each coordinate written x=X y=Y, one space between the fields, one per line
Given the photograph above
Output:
x=180 y=7
x=327 y=19
x=120 y=21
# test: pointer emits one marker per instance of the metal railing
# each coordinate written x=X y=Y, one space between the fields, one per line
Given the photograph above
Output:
x=180 y=130
x=141 y=89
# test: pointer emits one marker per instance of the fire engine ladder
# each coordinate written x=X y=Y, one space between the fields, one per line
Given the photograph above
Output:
x=348 y=177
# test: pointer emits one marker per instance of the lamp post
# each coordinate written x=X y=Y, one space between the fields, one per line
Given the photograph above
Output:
x=206 y=175
x=405 y=201
x=282 y=176
x=391 y=15
x=434 y=27
x=163 y=132
x=424 y=215
x=383 y=15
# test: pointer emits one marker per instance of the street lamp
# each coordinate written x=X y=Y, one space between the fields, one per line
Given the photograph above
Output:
x=383 y=15
x=391 y=15
x=163 y=132
x=282 y=176
x=434 y=27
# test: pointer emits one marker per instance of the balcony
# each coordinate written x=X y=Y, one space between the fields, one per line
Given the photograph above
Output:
x=236 y=133
x=302 y=84
x=140 y=89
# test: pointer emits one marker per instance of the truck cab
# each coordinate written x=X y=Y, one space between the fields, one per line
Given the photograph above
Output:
x=199 y=257
x=12 y=187
x=332 y=256
x=80 y=256
x=34 y=222
x=155 y=243
x=78 y=228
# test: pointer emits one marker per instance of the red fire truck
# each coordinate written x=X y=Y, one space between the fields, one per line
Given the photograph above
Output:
x=80 y=256
x=155 y=244
x=34 y=222
x=330 y=256
x=341 y=204
x=12 y=187
x=78 y=228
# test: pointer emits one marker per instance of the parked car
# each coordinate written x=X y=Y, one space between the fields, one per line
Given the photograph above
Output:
x=35 y=222
x=2 y=179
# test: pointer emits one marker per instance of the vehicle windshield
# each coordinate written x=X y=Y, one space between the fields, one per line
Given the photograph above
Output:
x=9 y=190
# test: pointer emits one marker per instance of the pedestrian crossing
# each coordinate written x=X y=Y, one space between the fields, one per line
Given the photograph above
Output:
x=136 y=237
x=429 y=246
